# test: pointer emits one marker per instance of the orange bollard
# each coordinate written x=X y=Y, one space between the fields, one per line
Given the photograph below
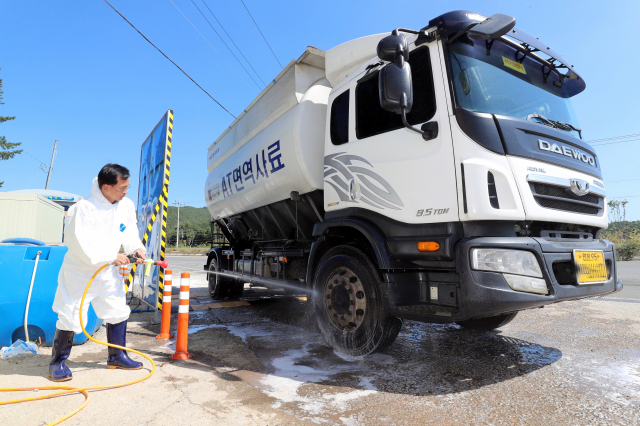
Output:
x=165 y=325
x=183 y=319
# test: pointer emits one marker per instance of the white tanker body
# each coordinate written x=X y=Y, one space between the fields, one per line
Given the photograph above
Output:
x=283 y=157
x=444 y=180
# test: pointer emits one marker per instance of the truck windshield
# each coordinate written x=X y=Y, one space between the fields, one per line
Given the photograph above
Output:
x=494 y=79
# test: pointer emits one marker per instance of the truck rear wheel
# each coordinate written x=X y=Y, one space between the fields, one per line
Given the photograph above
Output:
x=488 y=323
x=349 y=303
x=218 y=285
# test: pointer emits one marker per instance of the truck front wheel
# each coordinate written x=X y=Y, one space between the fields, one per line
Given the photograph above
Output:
x=349 y=303
x=488 y=323
x=218 y=285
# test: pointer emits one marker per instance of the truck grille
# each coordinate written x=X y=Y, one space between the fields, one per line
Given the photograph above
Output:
x=559 y=198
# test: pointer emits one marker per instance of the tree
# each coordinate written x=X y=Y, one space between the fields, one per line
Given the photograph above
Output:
x=7 y=150
x=618 y=211
x=623 y=234
x=190 y=232
x=199 y=218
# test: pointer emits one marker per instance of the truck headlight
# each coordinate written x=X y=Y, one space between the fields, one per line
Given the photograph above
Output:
x=520 y=268
x=518 y=262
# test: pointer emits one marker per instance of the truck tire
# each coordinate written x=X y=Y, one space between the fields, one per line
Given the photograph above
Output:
x=488 y=323
x=218 y=285
x=349 y=304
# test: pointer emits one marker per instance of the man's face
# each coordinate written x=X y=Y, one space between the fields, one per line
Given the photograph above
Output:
x=116 y=192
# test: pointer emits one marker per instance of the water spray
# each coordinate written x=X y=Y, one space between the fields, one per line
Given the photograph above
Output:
x=252 y=279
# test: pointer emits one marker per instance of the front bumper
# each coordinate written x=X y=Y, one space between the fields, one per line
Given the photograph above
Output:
x=474 y=294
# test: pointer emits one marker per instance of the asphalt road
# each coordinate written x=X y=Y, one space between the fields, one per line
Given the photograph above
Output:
x=570 y=363
x=263 y=361
x=191 y=264
x=629 y=272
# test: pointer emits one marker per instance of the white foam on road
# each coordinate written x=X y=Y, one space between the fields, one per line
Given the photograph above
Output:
x=290 y=376
x=340 y=399
x=241 y=330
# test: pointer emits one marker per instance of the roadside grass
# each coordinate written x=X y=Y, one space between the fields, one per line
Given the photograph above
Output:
x=171 y=249
x=188 y=250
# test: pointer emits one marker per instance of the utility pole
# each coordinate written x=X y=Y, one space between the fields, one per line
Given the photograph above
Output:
x=178 y=227
x=53 y=156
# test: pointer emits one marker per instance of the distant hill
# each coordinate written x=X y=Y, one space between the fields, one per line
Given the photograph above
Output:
x=190 y=217
x=626 y=226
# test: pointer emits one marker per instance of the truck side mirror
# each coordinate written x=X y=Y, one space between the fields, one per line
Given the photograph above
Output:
x=395 y=78
x=393 y=83
x=393 y=45
x=493 y=27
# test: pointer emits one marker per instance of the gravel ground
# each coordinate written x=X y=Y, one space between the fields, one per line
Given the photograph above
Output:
x=264 y=362
x=574 y=363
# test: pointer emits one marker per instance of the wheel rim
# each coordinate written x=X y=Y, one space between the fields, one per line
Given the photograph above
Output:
x=213 y=278
x=344 y=299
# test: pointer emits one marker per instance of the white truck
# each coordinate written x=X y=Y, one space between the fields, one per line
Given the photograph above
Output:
x=443 y=180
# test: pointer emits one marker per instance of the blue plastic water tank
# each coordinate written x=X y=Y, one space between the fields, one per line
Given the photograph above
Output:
x=16 y=268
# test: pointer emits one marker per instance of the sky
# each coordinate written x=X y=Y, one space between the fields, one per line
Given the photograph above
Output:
x=76 y=72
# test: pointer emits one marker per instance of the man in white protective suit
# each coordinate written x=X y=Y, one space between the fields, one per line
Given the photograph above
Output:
x=95 y=229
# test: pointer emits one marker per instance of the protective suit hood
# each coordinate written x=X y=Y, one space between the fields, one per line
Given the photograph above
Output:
x=96 y=192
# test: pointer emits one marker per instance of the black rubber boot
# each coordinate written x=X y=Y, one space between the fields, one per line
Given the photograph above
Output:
x=117 y=334
x=62 y=342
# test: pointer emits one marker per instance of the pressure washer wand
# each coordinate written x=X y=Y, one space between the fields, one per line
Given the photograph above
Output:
x=148 y=263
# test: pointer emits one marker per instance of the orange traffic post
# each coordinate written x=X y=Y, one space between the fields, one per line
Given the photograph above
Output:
x=165 y=325
x=183 y=319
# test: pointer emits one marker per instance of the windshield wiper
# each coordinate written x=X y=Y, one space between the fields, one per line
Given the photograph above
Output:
x=555 y=124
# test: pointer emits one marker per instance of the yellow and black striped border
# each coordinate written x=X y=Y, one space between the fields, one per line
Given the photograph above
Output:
x=165 y=207
x=162 y=203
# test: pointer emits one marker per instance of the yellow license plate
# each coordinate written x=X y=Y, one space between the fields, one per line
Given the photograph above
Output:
x=590 y=267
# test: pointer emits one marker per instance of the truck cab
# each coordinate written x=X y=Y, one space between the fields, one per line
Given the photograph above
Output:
x=454 y=187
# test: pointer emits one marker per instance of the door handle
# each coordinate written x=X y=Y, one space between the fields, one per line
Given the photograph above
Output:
x=353 y=189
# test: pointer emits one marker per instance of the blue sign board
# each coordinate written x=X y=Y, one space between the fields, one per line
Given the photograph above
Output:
x=153 y=169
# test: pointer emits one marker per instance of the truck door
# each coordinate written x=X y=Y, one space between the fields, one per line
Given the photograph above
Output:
x=395 y=172
x=336 y=174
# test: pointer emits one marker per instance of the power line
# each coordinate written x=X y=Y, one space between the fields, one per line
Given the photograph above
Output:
x=626 y=196
x=265 y=40
x=36 y=175
x=234 y=43
x=42 y=163
x=205 y=39
x=223 y=42
x=163 y=54
x=616 y=181
x=611 y=143
x=614 y=137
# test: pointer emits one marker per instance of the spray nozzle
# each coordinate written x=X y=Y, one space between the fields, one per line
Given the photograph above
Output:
x=162 y=263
